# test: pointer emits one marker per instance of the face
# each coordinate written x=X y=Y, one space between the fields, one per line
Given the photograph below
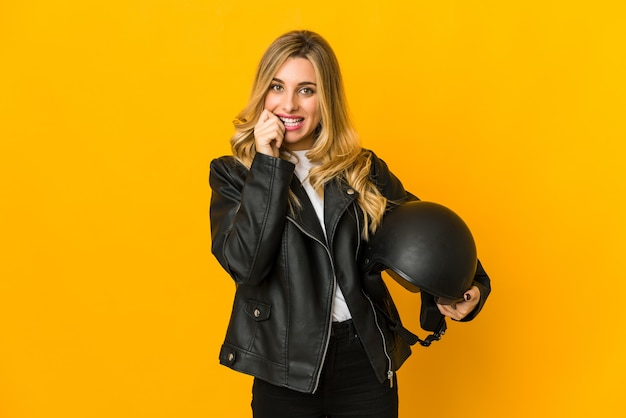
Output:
x=293 y=98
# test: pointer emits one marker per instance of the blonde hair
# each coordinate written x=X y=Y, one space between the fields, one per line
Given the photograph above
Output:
x=337 y=149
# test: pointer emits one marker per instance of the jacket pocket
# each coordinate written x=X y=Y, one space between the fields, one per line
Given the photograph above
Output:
x=257 y=311
x=250 y=329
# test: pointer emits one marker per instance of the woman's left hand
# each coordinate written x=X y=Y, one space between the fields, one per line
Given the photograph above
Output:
x=461 y=309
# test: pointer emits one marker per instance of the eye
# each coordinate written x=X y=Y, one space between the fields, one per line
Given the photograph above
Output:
x=307 y=91
x=276 y=87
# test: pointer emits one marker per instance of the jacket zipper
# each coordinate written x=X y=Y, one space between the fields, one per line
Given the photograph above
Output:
x=330 y=319
x=382 y=335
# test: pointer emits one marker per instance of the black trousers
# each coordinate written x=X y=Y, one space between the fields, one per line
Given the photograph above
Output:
x=348 y=387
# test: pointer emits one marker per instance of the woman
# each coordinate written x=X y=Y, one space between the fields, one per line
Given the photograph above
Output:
x=290 y=213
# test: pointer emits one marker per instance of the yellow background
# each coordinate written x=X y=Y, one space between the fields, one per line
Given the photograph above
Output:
x=511 y=113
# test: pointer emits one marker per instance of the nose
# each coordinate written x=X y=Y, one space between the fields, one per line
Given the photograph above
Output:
x=290 y=102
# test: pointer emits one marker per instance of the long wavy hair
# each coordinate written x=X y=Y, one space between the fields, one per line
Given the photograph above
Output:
x=337 y=148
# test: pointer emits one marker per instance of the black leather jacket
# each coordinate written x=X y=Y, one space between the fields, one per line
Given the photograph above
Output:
x=286 y=270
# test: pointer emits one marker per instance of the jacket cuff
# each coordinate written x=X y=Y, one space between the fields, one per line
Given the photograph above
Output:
x=261 y=161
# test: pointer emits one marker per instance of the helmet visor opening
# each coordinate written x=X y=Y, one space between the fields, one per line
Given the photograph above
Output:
x=447 y=301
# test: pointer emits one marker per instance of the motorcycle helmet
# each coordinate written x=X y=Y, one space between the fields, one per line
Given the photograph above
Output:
x=425 y=247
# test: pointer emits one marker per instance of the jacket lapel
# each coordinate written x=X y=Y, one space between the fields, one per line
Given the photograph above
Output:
x=338 y=196
x=306 y=216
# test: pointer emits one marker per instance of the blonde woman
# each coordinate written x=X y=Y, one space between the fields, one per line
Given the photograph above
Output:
x=290 y=212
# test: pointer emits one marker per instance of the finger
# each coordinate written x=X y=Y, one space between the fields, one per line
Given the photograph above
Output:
x=269 y=134
x=270 y=131
x=280 y=134
x=265 y=115
x=445 y=310
x=268 y=123
x=452 y=312
x=472 y=294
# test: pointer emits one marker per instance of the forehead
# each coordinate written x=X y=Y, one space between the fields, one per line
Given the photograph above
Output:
x=296 y=69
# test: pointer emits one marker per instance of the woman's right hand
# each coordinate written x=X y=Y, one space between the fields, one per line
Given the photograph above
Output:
x=268 y=134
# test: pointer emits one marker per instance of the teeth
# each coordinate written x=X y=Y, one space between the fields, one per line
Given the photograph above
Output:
x=291 y=121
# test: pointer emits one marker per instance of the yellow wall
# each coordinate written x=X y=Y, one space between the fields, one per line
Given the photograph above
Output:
x=511 y=113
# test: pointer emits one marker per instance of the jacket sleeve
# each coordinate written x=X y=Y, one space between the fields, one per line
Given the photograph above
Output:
x=392 y=189
x=247 y=213
x=482 y=281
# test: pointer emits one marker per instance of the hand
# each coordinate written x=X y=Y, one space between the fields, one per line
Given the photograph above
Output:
x=461 y=309
x=269 y=133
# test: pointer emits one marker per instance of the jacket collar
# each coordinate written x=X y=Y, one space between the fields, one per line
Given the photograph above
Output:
x=338 y=196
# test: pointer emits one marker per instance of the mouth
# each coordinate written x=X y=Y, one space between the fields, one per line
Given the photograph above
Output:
x=291 y=123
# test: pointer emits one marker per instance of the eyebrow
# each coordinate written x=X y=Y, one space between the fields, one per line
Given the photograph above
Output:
x=303 y=83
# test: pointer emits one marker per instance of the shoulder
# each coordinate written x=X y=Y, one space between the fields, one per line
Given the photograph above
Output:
x=384 y=179
x=227 y=163
x=378 y=167
x=226 y=170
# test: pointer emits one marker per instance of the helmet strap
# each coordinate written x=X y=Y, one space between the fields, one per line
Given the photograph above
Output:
x=410 y=337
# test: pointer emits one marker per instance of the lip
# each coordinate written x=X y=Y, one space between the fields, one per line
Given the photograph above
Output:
x=291 y=122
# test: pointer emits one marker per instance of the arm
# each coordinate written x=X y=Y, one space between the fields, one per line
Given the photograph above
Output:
x=476 y=296
x=248 y=212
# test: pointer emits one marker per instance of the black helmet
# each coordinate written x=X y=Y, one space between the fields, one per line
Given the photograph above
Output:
x=425 y=246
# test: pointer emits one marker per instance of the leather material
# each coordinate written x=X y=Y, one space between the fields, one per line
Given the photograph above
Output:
x=285 y=271
x=425 y=246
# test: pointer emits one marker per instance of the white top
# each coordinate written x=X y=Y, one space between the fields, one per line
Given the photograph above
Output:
x=303 y=165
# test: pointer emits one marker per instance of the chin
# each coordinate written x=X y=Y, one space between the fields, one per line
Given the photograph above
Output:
x=296 y=142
